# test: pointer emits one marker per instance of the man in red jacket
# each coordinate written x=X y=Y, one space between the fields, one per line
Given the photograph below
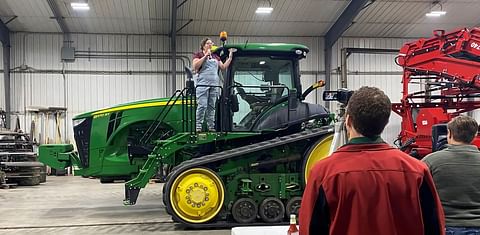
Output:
x=368 y=187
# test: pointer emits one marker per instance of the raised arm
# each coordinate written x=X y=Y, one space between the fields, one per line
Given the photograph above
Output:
x=225 y=65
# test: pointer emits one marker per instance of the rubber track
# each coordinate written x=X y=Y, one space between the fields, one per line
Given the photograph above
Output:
x=196 y=162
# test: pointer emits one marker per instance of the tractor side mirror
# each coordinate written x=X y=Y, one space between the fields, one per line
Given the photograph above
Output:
x=189 y=83
x=292 y=100
x=189 y=73
x=234 y=106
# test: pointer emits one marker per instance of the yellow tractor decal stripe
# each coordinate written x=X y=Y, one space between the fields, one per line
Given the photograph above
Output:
x=135 y=106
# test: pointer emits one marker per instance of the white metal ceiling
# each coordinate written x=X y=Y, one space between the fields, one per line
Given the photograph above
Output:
x=382 y=18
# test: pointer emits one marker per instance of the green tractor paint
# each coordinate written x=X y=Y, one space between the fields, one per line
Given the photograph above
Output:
x=252 y=170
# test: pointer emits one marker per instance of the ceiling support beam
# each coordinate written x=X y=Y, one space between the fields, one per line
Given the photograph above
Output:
x=4 y=34
x=185 y=25
x=5 y=39
x=181 y=4
x=11 y=19
x=335 y=32
x=58 y=16
x=61 y=21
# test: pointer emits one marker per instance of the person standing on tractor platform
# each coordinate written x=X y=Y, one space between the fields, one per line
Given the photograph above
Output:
x=368 y=186
x=207 y=65
x=456 y=173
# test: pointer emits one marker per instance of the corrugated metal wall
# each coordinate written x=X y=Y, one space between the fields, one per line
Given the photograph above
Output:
x=88 y=83
x=92 y=83
x=377 y=70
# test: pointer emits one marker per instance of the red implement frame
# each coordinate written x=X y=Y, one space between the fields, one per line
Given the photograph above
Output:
x=449 y=66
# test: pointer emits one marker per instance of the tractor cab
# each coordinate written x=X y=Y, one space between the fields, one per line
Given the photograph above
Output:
x=262 y=90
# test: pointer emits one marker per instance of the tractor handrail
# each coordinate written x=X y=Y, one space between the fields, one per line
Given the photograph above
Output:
x=150 y=131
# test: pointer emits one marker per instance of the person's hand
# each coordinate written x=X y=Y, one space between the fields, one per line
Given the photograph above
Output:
x=208 y=54
x=231 y=50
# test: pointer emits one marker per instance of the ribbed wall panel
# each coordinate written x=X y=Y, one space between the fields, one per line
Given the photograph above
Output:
x=379 y=66
x=94 y=82
x=38 y=51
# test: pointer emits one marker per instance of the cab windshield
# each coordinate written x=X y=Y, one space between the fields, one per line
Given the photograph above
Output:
x=259 y=83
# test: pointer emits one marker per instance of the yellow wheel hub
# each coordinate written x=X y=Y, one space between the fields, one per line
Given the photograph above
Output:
x=318 y=153
x=197 y=195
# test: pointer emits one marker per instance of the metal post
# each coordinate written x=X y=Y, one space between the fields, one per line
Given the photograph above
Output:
x=171 y=84
x=336 y=30
x=6 y=76
x=343 y=68
x=5 y=39
x=328 y=68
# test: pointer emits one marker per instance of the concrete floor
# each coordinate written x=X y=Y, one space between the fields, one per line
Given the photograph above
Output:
x=75 y=205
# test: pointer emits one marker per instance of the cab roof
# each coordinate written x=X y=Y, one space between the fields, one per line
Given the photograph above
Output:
x=268 y=47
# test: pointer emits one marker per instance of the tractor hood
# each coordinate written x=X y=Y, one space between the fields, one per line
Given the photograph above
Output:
x=125 y=106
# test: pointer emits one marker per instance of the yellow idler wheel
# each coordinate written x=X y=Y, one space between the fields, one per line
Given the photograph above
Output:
x=197 y=195
x=317 y=152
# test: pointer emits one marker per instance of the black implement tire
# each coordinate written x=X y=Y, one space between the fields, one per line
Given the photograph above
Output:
x=43 y=174
x=106 y=180
x=32 y=181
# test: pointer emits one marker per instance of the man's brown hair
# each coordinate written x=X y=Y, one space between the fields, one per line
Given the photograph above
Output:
x=463 y=129
x=369 y=110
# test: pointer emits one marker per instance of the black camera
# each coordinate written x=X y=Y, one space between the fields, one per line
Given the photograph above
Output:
x=341 y=95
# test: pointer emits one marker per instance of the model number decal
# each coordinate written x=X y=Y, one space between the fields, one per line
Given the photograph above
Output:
x=100 y=115
x=475 y=45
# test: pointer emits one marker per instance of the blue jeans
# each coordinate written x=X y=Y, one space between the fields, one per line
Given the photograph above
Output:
x=462 y=230
x=206 y=97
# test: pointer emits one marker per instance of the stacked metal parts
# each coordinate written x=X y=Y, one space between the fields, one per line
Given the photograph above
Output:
x=18 y=161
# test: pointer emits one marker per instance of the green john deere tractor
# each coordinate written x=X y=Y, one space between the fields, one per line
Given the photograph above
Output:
x=252 y=170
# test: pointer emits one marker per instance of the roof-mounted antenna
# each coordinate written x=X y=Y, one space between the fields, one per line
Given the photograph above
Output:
x=245 y=46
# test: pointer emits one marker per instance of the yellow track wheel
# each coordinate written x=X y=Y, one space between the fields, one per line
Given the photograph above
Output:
x=317 y=152
x=197 y=195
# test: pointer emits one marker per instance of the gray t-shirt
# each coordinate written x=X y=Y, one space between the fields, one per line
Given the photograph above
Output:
x=456 y=173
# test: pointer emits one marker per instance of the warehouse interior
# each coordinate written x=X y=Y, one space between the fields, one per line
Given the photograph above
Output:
x=61 y=60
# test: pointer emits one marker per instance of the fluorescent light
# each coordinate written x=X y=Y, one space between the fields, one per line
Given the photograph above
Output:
x=262 y=62
x=439 y=12
x=264 y=10
x=82 y=6
x=431 y=14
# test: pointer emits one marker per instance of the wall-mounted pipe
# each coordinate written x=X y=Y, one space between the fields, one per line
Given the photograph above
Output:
x=138 y=72
x=93 y=72
x=131 y=55
x=347 y=51
x=134 y=52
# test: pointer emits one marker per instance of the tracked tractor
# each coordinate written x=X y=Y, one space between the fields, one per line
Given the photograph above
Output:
x=251 y=170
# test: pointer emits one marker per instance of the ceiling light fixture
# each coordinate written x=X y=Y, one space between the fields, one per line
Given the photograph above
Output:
x=436 y=13
x=264 y=8
x=80 y=6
